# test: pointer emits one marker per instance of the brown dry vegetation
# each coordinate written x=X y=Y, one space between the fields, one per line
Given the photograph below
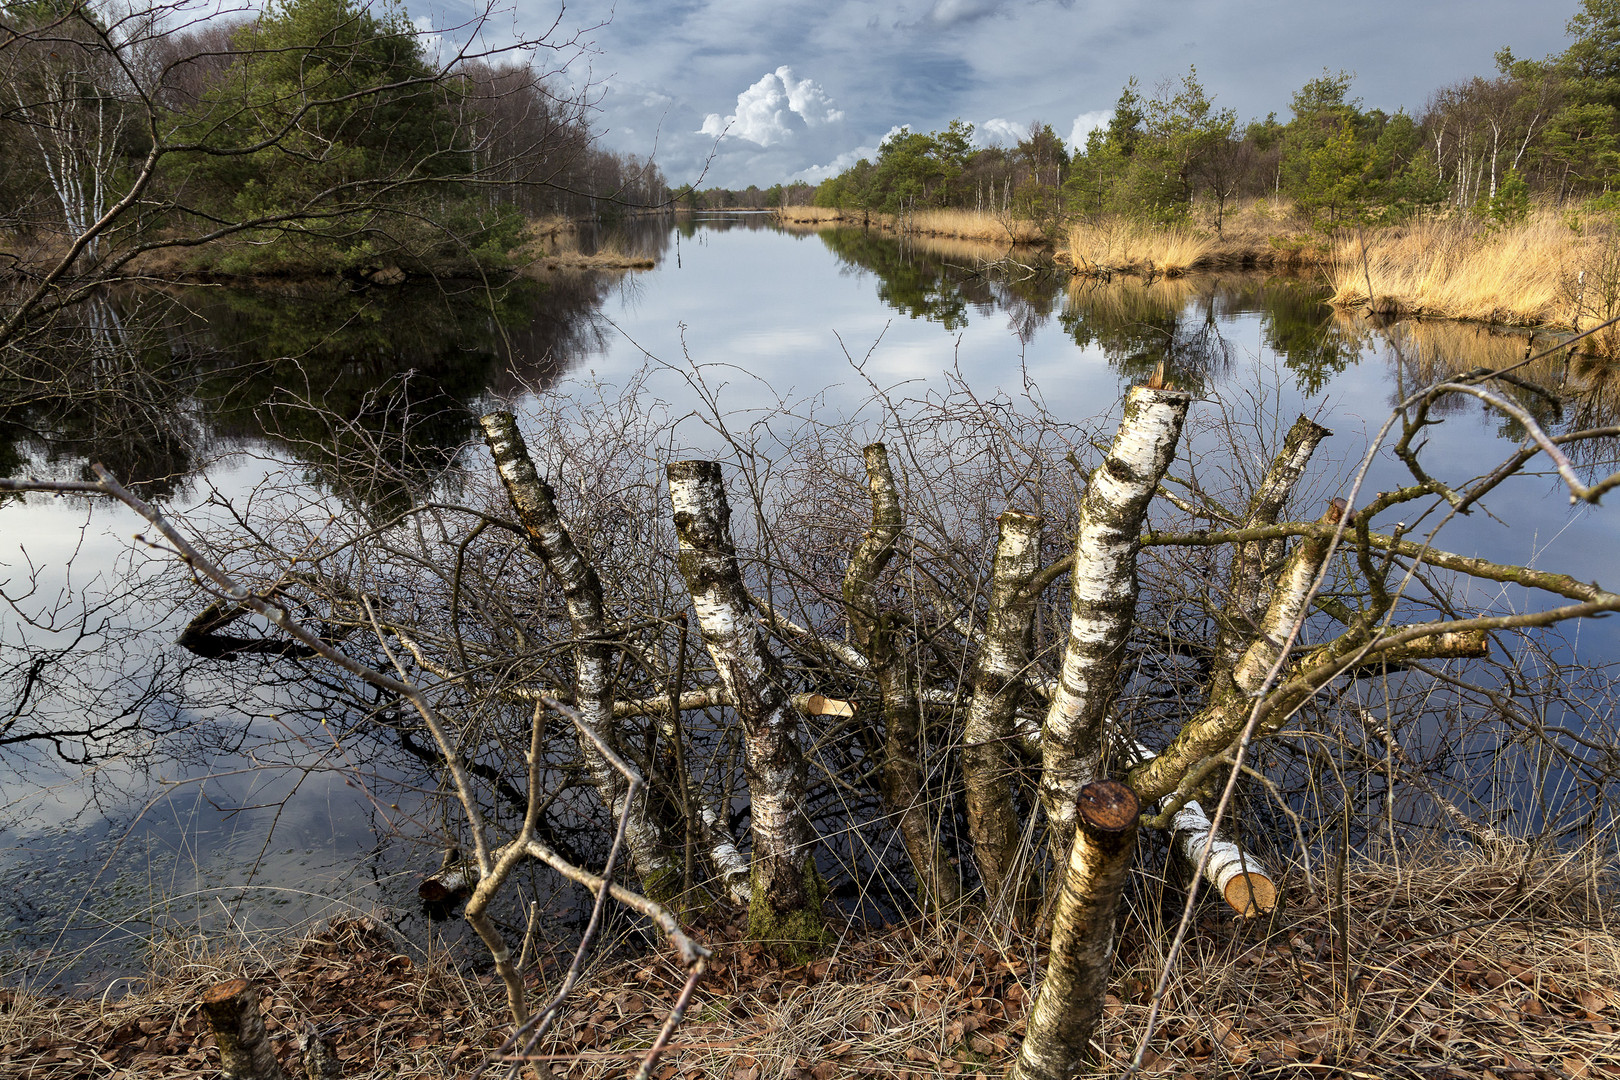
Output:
x=951 y=224
x=1255 y=235
x=551 y=245
x=1456 y=964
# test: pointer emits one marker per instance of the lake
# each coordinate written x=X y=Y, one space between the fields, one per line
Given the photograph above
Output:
x=215 y=805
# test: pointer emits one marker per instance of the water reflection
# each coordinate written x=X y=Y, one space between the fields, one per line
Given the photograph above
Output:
x=322 y=371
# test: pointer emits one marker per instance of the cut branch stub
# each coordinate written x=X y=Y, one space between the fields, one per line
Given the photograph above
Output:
x=245 y=1049
x=1057 y=1044
x=1103 y=597
x=784 y=903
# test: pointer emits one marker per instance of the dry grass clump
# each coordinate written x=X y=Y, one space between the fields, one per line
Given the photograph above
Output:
x=552 y=245
x=1121 y=246
x=812 y=215
x=972 y=225
x=1451 y=965
x=1461 y=269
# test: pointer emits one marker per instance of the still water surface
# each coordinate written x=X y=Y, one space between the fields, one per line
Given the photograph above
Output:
x=228 y=811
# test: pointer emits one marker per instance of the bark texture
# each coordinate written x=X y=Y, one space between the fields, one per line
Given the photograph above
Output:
x=1254 y=562
x=1231 y=699
x=651 y=849
x=245 y=1050
x=786 y=899
x=1057 y=1044
x=1103 y=597
x=884 y=645
x=998 y=688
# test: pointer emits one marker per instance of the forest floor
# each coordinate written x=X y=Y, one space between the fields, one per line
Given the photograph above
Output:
x=1456 y=966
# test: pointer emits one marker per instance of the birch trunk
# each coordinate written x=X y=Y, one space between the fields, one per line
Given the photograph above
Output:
x=900 y=781
x=651 y=848
x=1057 y=1044
x=1231 y=699
x=785 y=903
x=998 y=689
x=1103 y=597
x=1252 y=562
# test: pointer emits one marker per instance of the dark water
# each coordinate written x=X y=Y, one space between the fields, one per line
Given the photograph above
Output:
x=220 y=808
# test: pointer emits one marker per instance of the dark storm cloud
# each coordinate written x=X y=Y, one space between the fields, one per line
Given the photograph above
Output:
x=666 y=68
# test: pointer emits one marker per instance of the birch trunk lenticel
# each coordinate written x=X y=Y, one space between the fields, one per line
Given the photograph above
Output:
x=1057 y=1043
x=900 y=781
x=1103 y=597
x=785 y=904
x=998 y=687
x=651 y=850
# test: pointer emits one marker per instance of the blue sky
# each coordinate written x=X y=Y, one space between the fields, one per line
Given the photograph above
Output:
x=744 y=91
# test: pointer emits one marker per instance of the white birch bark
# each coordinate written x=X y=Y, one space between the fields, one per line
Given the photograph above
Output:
x=1252 y=562
x=774 y=764
x=1057 y=1042
x=998 y=689
x=651 y=850
x=1103 y=597
x=1223 y=718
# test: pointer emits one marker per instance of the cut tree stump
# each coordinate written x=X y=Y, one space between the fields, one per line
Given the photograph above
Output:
x=245 y=1049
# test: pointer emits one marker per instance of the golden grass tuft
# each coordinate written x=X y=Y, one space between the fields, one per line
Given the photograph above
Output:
x=1462 y=269
x=813 y=215
x=1120 y=246
x=972 y=225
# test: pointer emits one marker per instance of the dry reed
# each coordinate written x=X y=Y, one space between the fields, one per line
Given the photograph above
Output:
x=1462 y=269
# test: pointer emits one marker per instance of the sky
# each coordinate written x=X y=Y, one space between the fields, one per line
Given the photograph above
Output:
x=732 y=92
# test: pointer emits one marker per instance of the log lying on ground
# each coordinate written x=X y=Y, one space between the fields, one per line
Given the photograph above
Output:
x=651 y=846
x=883 y=643
x=245 y=1049
x=1103 y=597
x=998 y=689
x=1057 y=1044
x=785 y=904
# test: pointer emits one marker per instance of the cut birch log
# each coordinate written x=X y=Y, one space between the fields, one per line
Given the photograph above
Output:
x=783 y=900
x=454 y=879
x=1103 y=597
x=319 y=1050
x=1057 y=1043
x=650 y=841
x=245 y=1049
x=1243 y=881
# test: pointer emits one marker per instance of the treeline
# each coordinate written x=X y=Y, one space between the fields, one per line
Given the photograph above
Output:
x=1538 y=128
x=322 y=130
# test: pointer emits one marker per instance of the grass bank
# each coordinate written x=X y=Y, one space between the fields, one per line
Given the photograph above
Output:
x=1450 y=965
x=1256 y=235
x=949 y=224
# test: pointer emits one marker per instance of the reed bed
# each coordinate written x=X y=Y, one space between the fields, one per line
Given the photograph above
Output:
x=1120 y=246
x=1444 y=964
x=1528 y=274
x=951 y=224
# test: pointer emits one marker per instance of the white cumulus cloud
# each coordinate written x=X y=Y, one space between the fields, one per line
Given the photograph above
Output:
x=1085 y=124
x=766 y=110
x=999 y=132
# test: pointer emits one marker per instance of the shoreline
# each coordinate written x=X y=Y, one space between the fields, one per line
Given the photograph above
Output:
x=934 y=997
